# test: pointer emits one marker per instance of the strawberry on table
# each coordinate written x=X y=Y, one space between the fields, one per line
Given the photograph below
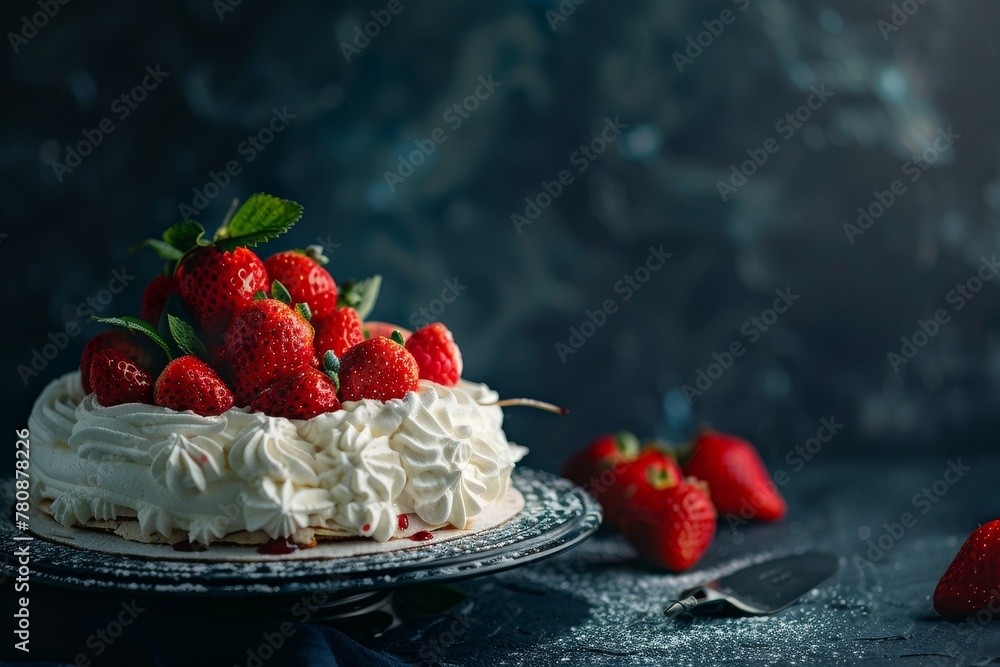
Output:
x=972 y=582
x=264 y=339
x=437 y=355
x=604 y=452
x=134 y=346
x=155 y=296
x=302 y=393
x=654 y=469
x=736 y=476
x=117 y=379
x=303 y=275
x=188 y=383
x=379 y=368
x=672 y=528
x=339 y=331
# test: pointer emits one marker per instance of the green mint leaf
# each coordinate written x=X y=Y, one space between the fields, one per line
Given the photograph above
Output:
x=279 y=292
x=184 y=235
x=185 y=337
x=135 y=324
x=304 y=310
x=360 y=295
x=260 y=218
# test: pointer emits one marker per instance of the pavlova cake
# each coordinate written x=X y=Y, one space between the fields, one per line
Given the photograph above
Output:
x=251 y=403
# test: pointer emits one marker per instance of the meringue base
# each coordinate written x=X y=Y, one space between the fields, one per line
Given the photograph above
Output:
x=106 y=537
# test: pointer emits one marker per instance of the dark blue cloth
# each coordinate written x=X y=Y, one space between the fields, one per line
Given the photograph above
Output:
x=70 y=628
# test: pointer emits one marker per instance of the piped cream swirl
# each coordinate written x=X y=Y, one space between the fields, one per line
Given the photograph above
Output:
x=439 y=452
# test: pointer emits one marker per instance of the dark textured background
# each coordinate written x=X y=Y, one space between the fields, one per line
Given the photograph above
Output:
x=655 y=185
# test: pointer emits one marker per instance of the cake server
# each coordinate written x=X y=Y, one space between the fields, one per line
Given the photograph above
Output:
x=765 y=588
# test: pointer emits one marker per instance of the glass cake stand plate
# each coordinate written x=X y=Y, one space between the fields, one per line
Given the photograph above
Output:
x=557 y=515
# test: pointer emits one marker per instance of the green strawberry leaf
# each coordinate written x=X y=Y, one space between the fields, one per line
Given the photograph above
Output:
x=185 y=235
x=142 y=326
x=185 y=337
x=259 y=295
x=397 y=337
x=162 y=248
x=280 y=292
x=360 y=295
x=304 y=310
x=177 y=241
x=261 y=217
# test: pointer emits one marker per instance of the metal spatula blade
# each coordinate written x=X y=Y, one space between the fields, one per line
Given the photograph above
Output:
x=765 y=588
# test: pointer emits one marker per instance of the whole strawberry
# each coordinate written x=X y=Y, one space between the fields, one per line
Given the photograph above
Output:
x=673 y=527
x=305 y=279
x=117 y=379
x=302 y=393
x=595 y=466
x=188 y=383
x=217 y=285
x=736 y=476
x=264 y=340
x=338 y=331
x=379 y=368
x=155 y=296
x=972 y=582
x=651 y=471
x=134 y=346
x=438 y=358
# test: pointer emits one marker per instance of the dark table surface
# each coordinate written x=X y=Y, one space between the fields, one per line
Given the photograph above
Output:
x=598 y=604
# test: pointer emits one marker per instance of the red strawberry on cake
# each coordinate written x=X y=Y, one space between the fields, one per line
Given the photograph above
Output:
x=303 y=275
x=264 y=339
x=379 y=368
x=437 y=355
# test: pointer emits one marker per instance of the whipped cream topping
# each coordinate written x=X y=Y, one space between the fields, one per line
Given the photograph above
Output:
x=439 y=452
